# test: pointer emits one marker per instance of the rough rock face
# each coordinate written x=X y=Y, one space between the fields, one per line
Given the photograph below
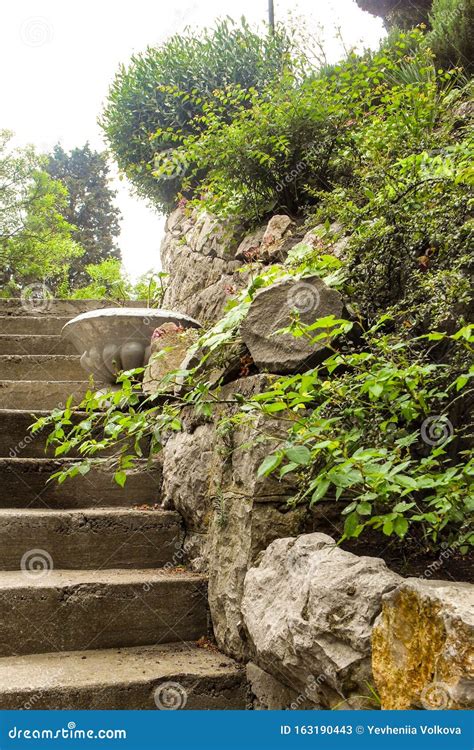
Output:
x=271 y=695
x=168 y=349
x=199 y=254
x=309 y=608
x=423 y=646
x=271 y=311
x=230 y=514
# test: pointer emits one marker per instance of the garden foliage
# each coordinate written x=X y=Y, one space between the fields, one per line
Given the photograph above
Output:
x=381 y=146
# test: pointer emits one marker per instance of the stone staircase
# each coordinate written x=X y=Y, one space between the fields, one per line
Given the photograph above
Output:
x=94 y=611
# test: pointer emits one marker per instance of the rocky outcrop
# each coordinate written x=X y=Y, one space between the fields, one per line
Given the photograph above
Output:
x=309 y=608
x=230 y=514
x=198 y=252
x=273 y=308
x=423 y=646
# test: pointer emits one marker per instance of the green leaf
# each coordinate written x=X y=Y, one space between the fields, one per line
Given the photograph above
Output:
x=351 y=525
x=320 y=491
x=299 y=454
x=120 y=477
x=269 y=464
x=400 y=526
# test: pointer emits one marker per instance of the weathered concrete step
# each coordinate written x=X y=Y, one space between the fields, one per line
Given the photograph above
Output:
x=70 y=307
x=20 y=343
x=57 y=610
x=96 y=538
x=23 y=484
x=29 y=324
x=35 y=395
x=16 y=440
x=41 y=367
x=128 y=678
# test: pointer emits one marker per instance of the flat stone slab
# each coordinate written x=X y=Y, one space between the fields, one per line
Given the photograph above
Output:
x=126 y=678
x=91 y=538
x=33 y=324
x=87 y=609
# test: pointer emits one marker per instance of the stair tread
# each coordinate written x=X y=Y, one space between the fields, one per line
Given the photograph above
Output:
x=77 y=513
x=17 y=579
x=38 y=672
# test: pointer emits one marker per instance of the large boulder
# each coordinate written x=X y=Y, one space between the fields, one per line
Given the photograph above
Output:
x=308 y=608
x=423 y=646
x=272 y=309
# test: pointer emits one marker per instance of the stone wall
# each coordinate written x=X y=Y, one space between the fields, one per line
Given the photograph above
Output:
x=317 y=626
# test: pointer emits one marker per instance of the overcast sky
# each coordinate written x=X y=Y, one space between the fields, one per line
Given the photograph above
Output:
x=58 y=59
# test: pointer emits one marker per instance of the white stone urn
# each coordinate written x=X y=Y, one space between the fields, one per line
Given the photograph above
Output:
x=118 y=338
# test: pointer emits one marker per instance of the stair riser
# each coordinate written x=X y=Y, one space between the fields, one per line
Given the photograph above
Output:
x=218 y=693
x=38 y=619
x=24 y=485
x=132 y=540
x=29 y=325
x=16 y=440
x=35 y=395
x=41 y=368
x=35 y=345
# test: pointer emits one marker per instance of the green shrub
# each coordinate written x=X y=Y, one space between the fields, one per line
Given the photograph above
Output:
x=154 y=102
x=452 y=33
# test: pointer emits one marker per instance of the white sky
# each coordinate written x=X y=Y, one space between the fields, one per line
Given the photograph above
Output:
x=58 y=59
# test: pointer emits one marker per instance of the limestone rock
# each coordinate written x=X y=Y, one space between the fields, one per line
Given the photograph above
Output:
x=423 y=646
x=198 y=253
x=240 y=529
x=271 y=311
x=308 y=608
x=249 y=248
x=271 y=695
x=278 y=230
x=168 y=347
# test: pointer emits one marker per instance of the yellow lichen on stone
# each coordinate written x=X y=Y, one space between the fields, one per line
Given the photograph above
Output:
x=422 y=650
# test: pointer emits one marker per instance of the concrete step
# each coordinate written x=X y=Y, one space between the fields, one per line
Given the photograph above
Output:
x=127 y=678
x=23 y=483
x=16 y=440
x=42 y=367
x=45 y=325
x=43 y=610
x=71 y=307
x=91 y=538
x=20 y=343
x=37 y=395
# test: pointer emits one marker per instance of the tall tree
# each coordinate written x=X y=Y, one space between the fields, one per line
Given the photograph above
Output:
x=90 y=206
x=35 y=239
